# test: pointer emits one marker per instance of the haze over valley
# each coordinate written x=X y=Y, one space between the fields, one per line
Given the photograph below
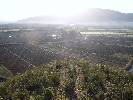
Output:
x=90 y=16
x=66 y=50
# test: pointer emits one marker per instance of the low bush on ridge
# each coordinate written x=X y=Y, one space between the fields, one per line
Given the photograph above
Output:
x=69 y=79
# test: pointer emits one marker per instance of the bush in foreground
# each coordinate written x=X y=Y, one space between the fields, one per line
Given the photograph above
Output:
x=69 y=79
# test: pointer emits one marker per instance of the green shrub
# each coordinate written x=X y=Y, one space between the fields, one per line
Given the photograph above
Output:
x=69 y=79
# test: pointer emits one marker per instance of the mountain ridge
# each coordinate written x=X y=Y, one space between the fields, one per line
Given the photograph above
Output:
x=88 y=16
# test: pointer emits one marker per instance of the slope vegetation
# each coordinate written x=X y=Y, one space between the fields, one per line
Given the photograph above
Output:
x=69 y=80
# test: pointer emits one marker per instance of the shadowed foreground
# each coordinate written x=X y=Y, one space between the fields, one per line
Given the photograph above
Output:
x=69 y=80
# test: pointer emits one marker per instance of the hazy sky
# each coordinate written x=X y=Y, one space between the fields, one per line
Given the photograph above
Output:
x=12 y=10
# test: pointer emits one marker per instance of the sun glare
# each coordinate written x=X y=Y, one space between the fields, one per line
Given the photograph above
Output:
x=66 y=8
x=19 y=9
x=60 y=8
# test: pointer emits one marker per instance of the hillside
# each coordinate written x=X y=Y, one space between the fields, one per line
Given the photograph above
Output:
x=4 y=72
x=89 y=16
x=69 y=80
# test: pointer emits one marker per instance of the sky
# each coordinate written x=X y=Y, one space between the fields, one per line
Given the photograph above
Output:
x=13 y=10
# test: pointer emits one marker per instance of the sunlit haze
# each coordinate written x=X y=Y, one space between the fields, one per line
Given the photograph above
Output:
x=12 y=10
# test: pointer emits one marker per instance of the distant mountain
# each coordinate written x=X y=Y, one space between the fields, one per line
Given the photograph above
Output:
x=95 y=15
